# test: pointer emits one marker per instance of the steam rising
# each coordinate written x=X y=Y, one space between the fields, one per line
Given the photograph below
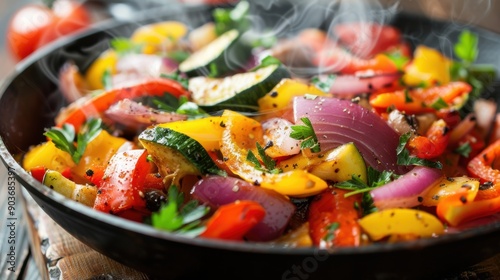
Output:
x=285 y=19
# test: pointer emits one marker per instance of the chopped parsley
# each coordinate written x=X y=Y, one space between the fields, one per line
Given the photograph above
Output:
x=235 y=18
x=330 y=231
x=64 y=138
x=183 y=106
x=267 y=61
x=176 y=76
x=408 y=98
x=404 y=157
x=464 y=150
x=124 y=46
x=107 y=81
x=306 y=133
x=324 y=84
x=268 y=165
x=439 y=104
x=179 y=219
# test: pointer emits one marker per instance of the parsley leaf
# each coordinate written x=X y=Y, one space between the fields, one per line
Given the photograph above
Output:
x=398 y=58
x=330 y=231
x=408 y=98
x=107 y=81
x=439 y=104
x=375 y=179
x=176 y=76
x=267 y=161
x=466 y=47
x=125 y=46
x=464 y=150
x=176 y=218
x=267 y=61
x=235 y=18
x=324 y=84
x=404 y=157
x=64 y=137
x=170 y=103
x=478 y=76
x=307 y=134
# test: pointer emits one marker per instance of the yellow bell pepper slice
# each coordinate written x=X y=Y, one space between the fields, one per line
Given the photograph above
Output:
x=240 y=136
x=159 y=37
x=447 y=187
x=98 y=152
x=401 y=222
x=207 y=131
x=48 y=156
x=297 y=183
x=461 y=208
x=429 y=66
x=280 y=97
x=105 y=62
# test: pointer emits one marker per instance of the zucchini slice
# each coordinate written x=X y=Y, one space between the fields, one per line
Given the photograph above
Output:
x=177 y=154
x=239 y=92
x=84 y=194
x=225 y=54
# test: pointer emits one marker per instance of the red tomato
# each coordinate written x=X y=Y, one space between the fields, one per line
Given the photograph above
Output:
x=35 y=25
x=232 y=221
x=123 y=182
x=333 y=219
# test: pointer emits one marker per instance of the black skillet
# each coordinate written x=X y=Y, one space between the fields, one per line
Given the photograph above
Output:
x=30 y=99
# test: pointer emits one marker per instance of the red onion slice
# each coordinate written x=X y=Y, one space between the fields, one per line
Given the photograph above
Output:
x=362 y=82
x=71 y=83
x=217 y=190
x=134 y=115
x=405 y=191
x=337 y=122
x=278 y=131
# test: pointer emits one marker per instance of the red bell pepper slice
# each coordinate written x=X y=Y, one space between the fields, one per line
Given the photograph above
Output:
x=78 y=112
x=485 y=166
x=38 y=173
x=123 y=182
x=419 y=100
x=232 y=221
x=433 y=144
x=95 y=175
x=333 y=219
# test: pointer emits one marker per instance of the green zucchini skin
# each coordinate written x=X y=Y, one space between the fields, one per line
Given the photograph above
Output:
x=217 y=60
x=240 y=100
x=169 y=147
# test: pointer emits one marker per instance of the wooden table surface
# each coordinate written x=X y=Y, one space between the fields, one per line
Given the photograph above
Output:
x=32 y=246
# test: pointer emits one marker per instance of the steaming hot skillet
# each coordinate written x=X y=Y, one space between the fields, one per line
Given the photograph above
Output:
x=30 y=100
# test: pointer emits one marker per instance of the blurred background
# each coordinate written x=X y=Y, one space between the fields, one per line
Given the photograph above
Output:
x=476 y=12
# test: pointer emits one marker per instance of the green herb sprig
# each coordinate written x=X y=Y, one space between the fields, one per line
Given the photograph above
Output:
x=233 y=18
x=64 y=137
x=174 y=217
x=268 y=165
x=306 y=133
x=479 y=76
x=374 y=180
